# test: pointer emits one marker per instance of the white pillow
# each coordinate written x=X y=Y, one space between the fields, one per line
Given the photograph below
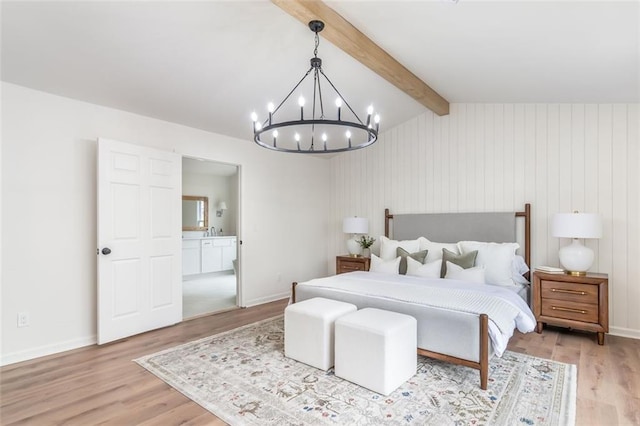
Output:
x=519 y=267
x=472 y=275
x=435 y=249
x=388 y=247
x=386 y=266
x=427 y=270
x=497 y=259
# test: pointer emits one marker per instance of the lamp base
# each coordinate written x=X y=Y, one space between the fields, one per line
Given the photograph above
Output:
x=576 y=273
x=575 y=258
x=355 y=250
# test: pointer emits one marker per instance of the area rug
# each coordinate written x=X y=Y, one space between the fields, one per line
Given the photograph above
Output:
x=243 y=378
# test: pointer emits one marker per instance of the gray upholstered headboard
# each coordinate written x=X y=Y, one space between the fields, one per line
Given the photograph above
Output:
x=454 y=227
x=499 y=227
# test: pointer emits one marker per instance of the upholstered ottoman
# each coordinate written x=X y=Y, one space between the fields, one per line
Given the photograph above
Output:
x=376 y=349
x=308 y=330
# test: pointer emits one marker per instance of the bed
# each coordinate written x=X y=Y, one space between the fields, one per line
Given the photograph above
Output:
x=458 y=322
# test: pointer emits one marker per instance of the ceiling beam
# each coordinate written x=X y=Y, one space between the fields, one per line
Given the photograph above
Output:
x=345 y=36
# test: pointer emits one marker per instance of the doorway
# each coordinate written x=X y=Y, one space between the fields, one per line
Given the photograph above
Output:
x=210 y=213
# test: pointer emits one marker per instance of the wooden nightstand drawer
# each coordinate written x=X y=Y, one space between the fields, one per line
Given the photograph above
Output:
x=346 y=264
x=351 y=266
x=585 y=312
x=583 y=293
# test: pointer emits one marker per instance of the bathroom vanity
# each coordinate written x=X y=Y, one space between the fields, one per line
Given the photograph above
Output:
x=201 y=255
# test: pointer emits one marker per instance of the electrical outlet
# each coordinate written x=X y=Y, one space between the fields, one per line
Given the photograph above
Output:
x=23 y=319
x=279 y=277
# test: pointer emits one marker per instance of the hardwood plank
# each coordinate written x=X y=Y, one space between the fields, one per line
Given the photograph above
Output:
x=101 y=384
x=591 y=412
x=182 y=415
x=345 y=36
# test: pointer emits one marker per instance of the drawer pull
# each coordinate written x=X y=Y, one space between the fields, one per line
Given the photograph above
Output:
x=577 y=311
x=560 y=290
x=351 y=268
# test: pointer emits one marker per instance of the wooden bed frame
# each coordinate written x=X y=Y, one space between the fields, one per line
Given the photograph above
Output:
x=483 y=350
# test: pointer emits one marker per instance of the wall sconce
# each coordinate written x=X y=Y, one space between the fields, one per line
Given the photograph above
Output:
x=222 y=206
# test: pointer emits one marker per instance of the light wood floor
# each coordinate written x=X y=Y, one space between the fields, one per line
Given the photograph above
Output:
x=101 y=385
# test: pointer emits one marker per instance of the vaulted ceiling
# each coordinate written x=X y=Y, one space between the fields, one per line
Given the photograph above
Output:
x=209 y=64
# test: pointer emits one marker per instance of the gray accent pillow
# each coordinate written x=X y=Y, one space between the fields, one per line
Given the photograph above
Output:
x=466 y=260
x=420 y=256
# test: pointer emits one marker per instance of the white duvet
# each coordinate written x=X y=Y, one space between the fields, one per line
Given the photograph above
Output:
x=505 y=309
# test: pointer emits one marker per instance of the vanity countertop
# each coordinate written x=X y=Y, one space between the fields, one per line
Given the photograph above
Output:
x=209 y=238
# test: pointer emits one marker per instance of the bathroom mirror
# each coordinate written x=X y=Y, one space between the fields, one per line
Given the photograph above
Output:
x=195 y=213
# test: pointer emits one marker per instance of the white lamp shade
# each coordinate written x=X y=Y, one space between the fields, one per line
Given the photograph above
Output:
x=222 y=205
x=576 y=225
x=355 y=225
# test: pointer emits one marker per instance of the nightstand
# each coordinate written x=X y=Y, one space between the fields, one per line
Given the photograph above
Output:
x=580 y=302
x=350 y=264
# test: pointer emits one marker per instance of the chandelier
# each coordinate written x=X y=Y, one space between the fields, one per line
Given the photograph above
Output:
x=316 y=129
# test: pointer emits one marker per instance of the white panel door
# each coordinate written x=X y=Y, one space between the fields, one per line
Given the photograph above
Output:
x=139 y=239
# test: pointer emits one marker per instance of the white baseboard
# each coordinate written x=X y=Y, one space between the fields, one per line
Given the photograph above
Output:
x=12 y=358
x=267 y=299
x=624 y=332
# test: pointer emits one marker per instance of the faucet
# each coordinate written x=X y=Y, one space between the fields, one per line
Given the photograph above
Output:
x=213 y=231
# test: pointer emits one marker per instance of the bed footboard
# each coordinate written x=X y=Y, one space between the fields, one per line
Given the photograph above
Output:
x=482 y=365
x=483 y=337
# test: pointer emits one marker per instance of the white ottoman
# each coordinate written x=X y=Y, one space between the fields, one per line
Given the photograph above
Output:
x=308 y=330
x=376 y=349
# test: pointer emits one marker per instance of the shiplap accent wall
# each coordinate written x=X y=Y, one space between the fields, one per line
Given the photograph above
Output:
x=497 y=157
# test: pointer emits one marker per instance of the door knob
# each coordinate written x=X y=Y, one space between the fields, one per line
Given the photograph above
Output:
x=106 y=250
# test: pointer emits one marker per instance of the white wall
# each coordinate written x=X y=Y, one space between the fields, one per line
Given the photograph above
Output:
x=216 y=189
x=486 y=157
x=49 y=213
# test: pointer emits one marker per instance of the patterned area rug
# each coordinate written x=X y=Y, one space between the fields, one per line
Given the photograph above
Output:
x=242 y=377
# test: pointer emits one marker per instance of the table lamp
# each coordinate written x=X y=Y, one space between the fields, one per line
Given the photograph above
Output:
x=355 y=225
x=576 y=258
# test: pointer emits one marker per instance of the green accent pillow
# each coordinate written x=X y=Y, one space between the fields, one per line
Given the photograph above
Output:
x=465 y=261
x=419 y=256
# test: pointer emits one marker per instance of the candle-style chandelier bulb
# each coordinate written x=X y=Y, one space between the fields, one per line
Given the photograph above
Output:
x=254 y=116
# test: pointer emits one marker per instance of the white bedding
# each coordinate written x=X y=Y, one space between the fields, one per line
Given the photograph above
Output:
x=506 y=310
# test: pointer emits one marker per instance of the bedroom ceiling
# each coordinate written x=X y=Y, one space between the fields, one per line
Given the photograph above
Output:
x=209 y=64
